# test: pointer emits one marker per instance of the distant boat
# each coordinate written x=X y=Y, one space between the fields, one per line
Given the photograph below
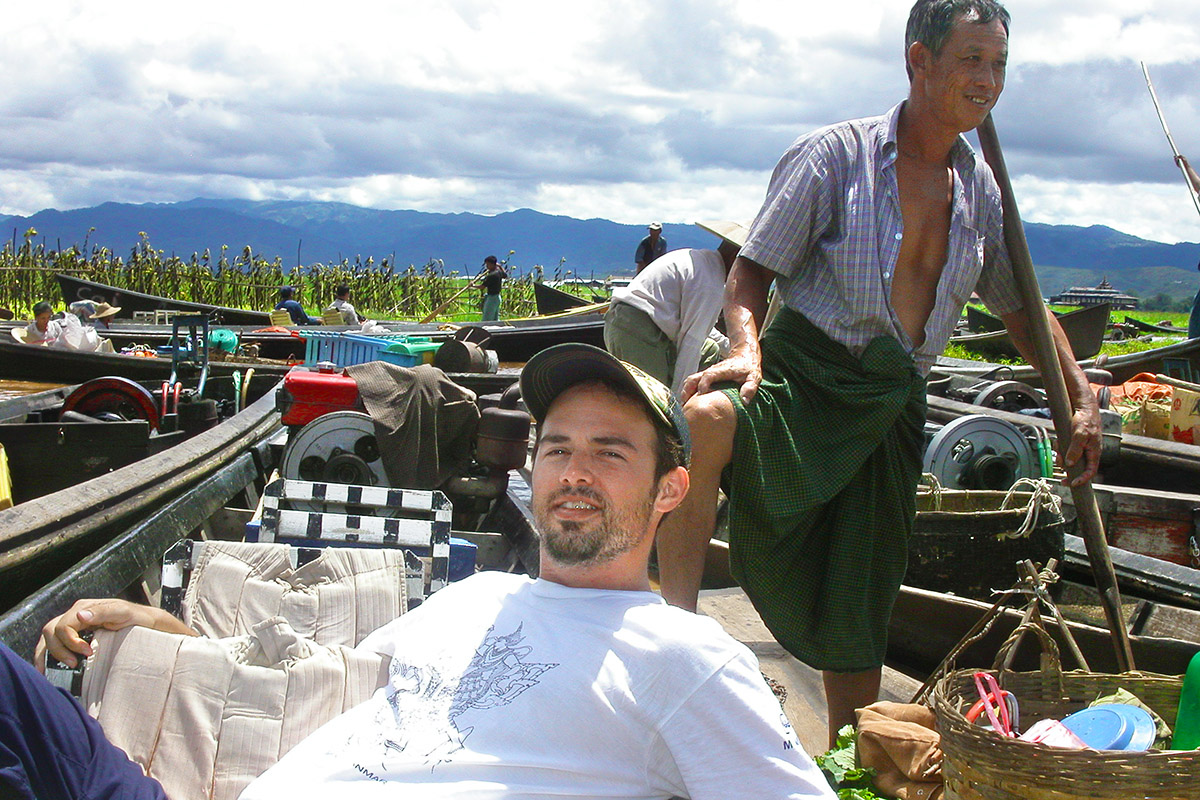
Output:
x=1167 y=359
x=1150 y=327
x=1084 y=328
x=74 y=289
x=551 y=301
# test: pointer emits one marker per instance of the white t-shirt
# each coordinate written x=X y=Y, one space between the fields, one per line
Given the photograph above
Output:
x=501 y=686
x=683 y=292
x=343 y=307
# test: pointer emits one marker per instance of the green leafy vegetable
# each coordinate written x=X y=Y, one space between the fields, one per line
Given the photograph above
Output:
x=851 y=781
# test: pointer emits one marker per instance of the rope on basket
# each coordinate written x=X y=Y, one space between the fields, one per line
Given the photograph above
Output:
x=928 y=479
x=1042 y=496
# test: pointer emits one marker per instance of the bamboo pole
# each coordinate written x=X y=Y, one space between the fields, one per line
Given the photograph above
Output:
x=1171 y=141
x=432 y=314
x=1088 y=512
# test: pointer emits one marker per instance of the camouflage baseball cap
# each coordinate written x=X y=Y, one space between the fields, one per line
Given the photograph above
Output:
x=557 y=368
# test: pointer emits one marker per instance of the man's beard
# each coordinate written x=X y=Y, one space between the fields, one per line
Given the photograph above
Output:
x=570 y=543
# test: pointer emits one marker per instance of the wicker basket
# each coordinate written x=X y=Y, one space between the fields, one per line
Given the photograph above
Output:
x=980 y=765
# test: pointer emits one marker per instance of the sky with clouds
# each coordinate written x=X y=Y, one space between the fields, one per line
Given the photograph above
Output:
x=628 y=110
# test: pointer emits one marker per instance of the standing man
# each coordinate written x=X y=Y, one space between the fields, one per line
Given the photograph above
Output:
x=1194 y=317
x=877 y=231
x=582 y=683
x=663 y=321
x=650 y=248
x=492 y=283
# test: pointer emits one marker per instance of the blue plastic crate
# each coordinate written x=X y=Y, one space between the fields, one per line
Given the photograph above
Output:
x=344 y=349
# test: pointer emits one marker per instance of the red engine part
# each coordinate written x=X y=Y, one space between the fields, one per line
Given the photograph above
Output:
x=306 y=395
x=114 y=395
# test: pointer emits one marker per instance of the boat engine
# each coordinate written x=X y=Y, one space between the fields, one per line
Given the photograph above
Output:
x=980 y=452
x=332 y=440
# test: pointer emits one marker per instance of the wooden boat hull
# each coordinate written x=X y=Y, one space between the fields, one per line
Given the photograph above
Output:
x=549 y=300
x=1150 y=327
x=28 y=362
x=74 y=289
x=1122 y=367
x=1084 y=329
x=45 y=536
x=925 y=625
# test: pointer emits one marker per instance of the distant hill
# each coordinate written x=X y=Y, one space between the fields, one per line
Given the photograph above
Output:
x=310 y=232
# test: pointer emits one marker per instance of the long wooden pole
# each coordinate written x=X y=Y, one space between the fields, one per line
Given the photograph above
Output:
x=428 y=317
x=1087 y=512
x=1174 y=150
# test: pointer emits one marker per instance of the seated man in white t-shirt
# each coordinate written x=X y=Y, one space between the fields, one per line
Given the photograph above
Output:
x=341 y=304
x=582 y=683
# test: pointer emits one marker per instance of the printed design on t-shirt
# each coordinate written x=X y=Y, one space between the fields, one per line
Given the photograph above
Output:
x=420 y=721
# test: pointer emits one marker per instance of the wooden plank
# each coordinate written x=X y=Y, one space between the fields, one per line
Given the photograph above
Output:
x=805 y=703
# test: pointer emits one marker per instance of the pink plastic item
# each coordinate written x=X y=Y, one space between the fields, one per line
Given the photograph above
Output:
x=1053 y=733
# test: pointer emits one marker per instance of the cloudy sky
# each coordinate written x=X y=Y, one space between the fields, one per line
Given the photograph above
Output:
x=624 y=109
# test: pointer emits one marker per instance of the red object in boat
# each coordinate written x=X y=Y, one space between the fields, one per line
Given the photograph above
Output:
x=306 y=395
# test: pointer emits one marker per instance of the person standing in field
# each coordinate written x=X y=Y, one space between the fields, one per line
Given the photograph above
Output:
x=877 y=231
x=651 y=247
x=492 y=283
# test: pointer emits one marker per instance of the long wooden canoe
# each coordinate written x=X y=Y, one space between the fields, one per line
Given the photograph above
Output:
x=1150 y=327
x=1084 y=329
x=549 y=300
x=74 y=289
x=1122 y=367
x=44 y=536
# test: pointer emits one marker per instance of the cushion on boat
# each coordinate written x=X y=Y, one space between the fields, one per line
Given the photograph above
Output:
x=206 y=716
x=338 y=598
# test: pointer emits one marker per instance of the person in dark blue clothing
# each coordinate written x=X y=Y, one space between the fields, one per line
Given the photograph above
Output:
x=288 y=302
x=50 y=747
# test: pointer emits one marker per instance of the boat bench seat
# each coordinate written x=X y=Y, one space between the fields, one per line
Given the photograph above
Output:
x=279 y=619
x=274 y=663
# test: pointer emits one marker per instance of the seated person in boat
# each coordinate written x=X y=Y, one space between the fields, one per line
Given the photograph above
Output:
x=95 y=314
x=288 y=302
x=43 y=329
x=582 y=682
x=341 y=304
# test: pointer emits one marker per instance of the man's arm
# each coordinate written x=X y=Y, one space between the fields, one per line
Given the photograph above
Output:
x=745 y=307
x=1085 y=421
x=61 y=639
x=1191 y=173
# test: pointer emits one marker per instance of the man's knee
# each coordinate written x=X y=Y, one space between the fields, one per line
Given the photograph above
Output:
x=712 y=421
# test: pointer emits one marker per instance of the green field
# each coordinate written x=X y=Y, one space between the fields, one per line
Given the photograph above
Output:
x=245 y=280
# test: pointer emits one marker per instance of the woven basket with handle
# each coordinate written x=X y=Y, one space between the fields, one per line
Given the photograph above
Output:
x=982 y=765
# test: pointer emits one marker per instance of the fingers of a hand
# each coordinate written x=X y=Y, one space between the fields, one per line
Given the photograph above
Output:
x=749 y=388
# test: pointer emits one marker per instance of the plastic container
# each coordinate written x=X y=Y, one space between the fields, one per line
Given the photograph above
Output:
x=411 y=352
x=1187 y=718
x=1115 y=726
x=344 y=349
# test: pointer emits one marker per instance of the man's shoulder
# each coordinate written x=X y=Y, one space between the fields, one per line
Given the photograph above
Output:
x=846 y=131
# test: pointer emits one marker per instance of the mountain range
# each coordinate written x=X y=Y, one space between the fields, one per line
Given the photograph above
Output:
x=304 y=232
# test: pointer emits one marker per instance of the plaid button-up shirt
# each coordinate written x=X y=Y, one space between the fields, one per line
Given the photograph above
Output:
x=831 y=229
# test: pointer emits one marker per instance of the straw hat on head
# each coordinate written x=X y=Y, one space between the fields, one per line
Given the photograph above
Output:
x=732 y=232
x=104 y=310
